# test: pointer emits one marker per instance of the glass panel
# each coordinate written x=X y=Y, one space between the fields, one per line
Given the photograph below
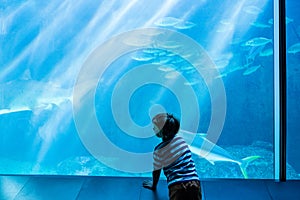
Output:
x=81 y=81
x=293 y=88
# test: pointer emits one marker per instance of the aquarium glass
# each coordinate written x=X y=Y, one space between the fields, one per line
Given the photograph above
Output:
x=293 y=88
x=81 y=80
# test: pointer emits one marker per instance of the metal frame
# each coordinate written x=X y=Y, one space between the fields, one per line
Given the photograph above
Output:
x=280 y=132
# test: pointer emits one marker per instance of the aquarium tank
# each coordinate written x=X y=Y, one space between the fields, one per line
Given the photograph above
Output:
x=81 y=80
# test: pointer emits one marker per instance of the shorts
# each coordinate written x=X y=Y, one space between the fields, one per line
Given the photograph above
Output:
x=189 y=190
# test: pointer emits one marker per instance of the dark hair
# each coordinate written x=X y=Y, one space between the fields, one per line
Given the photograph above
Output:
x=168 y=125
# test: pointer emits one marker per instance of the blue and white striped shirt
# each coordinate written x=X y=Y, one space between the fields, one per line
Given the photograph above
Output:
x=175 y=158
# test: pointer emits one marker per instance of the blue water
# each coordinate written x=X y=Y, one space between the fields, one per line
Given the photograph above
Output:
x=75 y=74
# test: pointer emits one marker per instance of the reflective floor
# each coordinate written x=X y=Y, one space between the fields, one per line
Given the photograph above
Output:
x=82 y=187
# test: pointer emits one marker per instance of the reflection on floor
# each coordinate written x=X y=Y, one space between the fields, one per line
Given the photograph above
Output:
x=110 y=188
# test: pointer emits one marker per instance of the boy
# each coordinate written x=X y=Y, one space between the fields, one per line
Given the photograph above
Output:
x=174 y=157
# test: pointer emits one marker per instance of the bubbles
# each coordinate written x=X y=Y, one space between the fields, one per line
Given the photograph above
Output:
x=90 y=128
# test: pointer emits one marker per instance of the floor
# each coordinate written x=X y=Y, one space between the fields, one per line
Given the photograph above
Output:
x=82 y=187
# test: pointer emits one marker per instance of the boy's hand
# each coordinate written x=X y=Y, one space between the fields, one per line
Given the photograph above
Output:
x=149 y=185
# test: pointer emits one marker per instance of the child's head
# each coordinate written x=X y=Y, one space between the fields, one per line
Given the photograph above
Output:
x=165 y=125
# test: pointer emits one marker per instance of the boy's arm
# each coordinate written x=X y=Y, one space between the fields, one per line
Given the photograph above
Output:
x=155 y=178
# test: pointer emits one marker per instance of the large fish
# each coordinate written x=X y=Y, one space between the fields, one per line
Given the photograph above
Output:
x=30 y=95
x=208 y=150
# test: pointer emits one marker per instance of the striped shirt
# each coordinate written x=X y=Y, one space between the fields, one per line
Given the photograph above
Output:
x=175 y=158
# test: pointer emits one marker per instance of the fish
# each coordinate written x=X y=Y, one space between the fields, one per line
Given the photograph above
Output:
x=287 y=20
x=172 y=75
x=222 y=75
x=253 y=52
x=31 y=95
x=170 y=44
x=202 y=147
x=174 y=22
x=142 y=57
x=13 y=110
x=184 y=25
x=222 y=28
x=250 y=70
x=152 y=51
x=254 y=10
x=153 y=32
x=191 y=83
x=191 y=71
x=137 y=41
x=271 y=21
x=3 y=27
x=167 y=21
x=225 y=22
x=232 y=69
x=166 y=68
x=258 y=41
x=260 y=25
x=295 y=48
x=220 y=64
x=186 y=68
x=266 y=52
x=221 y=61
